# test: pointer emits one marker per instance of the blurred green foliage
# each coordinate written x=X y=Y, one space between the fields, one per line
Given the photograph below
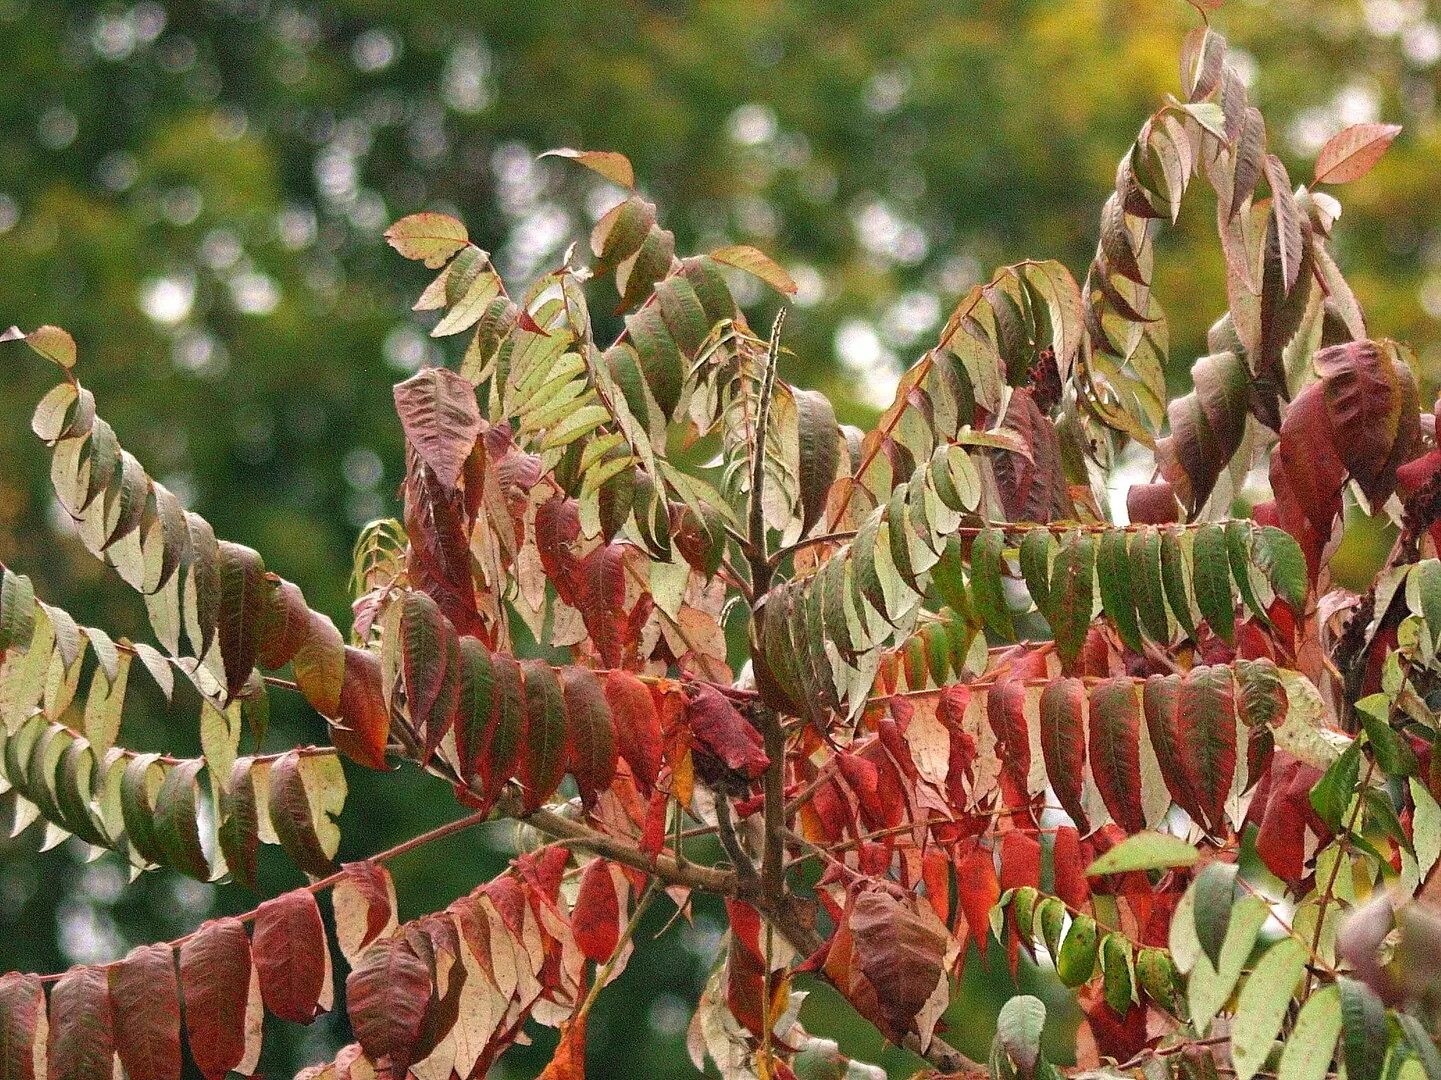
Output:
x=197 y=190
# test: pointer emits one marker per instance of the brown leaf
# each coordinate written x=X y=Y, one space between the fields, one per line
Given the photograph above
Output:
x=82 y=1041
x=291 y=956
x=218 y=980
x=719 y=728
x=1350 y=154
x=22 y=1027
x=441 y=419
x=145 y=1004
x=899 y=954
x=388 y=998
x=614 y=166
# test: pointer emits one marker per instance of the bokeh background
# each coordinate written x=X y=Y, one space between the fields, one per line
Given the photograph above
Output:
x=197 y=191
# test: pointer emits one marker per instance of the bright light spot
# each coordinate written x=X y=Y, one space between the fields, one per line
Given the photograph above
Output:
x=57 y=128
x=374 y=50
x=1384 y=18
x=9 y=213
x=117 y=171
x=296 y=226
x=198 y=353
x=220 y=249
x=1422 y=45
x=1431 y=295
x=181 y=205
x=887 y=90
x=1357 y=105
x=362 y=468
x=168 y=300
x=883 y=232
x=910 y=316
x=406 y=348
x=668 y=1016
x=465 y=83
x=810 y=286
x=753 y=124
x=254 y=293
x=860 y=350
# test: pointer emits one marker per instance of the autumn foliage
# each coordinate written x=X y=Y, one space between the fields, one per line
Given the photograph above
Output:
x=924 y=688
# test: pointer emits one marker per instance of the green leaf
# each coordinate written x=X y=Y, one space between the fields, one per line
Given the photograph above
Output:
x=614 y=166
x=1238 y=550
x=819 y=453
x=1312 y=1043
x=987 y=588
x=1071 y=594
x=1019 y=1027
x=542 y=759
x=1262 y=1005
x=1364 y=1034
x=1036 y=547
x=1395 y=757
x=428 y=238
x=1174 y=573
x=757 y=263
x=1213 y=581
x=1116 y=972
x=1420 y=1042
x=1209 y=987
x=306 y=795
x=17 y=611
x=1332 y=794
x=177 y=820
x=1280 y=559
x=1215 y=893
x=1113 y=572
x=1077 y=958
x=1145 y=851
x=243 y=600
x=1146 y=586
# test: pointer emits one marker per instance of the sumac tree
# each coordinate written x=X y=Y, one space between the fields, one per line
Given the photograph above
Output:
x=920 y=683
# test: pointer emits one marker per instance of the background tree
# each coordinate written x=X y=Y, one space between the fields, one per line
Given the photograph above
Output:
x=160 y=242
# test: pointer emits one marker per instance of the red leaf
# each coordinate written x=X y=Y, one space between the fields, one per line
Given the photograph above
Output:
x=1152 y=504
x=22 y=1006
x=364 y=726
x=388 y=999
x=430 y=658
x=82 y=1041
x=1371 y=401
x=1115 y=751
x=243 y=600
x=590 y=734
x=145 y=1005
x=1205 y=717
x=1063 y=743
x=542 y=759
x=291 y=956
x=637 y=726
x=1351 y=153
x=364 y=905
x=899 y=955
x=719 y=728
x=215 y=975
x=1158 y=701
x=441 y=419
x=595 y=919
x=1005 y=707
x=1034 y=488
x=568 y=1061
x=1068 y=869
x=978 y=890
